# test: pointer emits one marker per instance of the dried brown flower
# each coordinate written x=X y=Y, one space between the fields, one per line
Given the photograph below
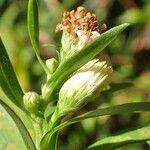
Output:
x=80 y=23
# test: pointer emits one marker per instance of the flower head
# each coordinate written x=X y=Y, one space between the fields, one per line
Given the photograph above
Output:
x=81 y=24
x=84 y=86
x=79 y=28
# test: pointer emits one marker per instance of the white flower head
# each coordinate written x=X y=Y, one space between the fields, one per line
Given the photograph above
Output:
x=84 y=86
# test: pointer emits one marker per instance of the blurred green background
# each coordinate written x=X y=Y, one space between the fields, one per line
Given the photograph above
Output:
x=129 y=55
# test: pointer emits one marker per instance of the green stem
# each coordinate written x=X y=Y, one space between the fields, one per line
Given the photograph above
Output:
x=38 y=132
x=55 y=120
x=53 y=141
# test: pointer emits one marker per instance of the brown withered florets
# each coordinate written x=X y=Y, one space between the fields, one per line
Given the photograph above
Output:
x=80 y=19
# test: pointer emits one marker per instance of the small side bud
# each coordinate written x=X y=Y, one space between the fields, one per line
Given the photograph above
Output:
x=45 y=89
x=31 y=101
x=52 y=64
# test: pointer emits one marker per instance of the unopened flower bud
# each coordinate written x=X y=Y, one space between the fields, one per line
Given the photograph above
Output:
x=31 y=101
x=52 y=64
x=84 y=86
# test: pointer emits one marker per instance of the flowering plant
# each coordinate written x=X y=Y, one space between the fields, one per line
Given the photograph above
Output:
x=73 y=80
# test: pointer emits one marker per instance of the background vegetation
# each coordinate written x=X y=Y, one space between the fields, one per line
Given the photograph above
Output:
x=129 y=55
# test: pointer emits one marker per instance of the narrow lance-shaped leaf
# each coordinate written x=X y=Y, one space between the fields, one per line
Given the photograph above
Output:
x=10 y=90
x=80 y=58
x=33 y=29
x=8 y=79
x=116 y=141
x=21 y=112
x=23 y=130
x=118 y=109
x=113 y=87
x=50 y=142
x=33 y=24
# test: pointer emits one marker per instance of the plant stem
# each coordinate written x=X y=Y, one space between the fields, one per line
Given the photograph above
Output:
x=53 y=141
x=55 y=119
x=38 y=132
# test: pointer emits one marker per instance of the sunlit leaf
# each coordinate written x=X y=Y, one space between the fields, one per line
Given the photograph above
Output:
x=8 y=140
x=116 y=141
x=22 y=113
x=23 y=130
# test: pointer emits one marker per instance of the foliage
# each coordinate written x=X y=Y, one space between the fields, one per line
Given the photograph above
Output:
x=39 y=129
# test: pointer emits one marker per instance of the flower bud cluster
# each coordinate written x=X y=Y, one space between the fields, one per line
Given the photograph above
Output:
x=79 y=28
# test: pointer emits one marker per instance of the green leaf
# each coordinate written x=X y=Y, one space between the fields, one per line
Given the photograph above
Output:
x=113 y=87
x=33 y=29
x=7 y=125
x=80 y=58
x=8 y=79
x=50 y=142
x=23 y=130
x=118 y=109
x=10 y=90
x=22 y=113
x=33 y=24
x=116 y=141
